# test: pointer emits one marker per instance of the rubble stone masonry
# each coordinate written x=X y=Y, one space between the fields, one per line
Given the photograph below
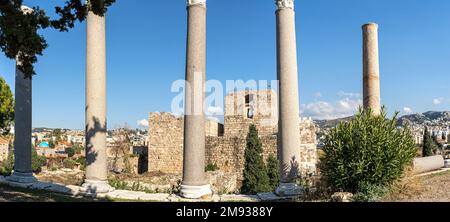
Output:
x=225 y=145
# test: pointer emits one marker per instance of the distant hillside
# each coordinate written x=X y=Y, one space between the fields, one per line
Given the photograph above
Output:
x=421 y=118
x=323 y=124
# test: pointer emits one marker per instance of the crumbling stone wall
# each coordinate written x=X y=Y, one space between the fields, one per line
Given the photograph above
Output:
x=225 y=144
x=166 y=147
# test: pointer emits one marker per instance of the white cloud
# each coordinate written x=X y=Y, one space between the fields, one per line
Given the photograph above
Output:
x=142 y=123
x=348 y=94
x=318 y=94
x=214 y=110
x=438 y=101
x=407 y=110
x=326 y=110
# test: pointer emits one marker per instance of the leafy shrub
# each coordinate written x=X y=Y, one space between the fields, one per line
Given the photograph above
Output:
x=370 y=193
x=366 y=153
x=69 y=163
x=211 y=167
x=255 y=172
x=82 y=162
x=7 y=166
x=70 y=151
x=37 y=161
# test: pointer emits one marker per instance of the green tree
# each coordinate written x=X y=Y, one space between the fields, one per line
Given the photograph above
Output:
x=70 y=151
x=255 y=172
x=37 y=161
x=367 y=153
x=428 y=144
x=6 y=107
x=273 y=171
x=19 y=32
x=51 y=143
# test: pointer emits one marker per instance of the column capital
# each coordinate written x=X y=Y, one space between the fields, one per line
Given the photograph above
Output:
x=284 y=4
x=196 y=2
x=370 y=25
x=26 y=10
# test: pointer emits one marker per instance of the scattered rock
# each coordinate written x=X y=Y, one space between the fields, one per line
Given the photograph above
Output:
x=447 y=163
x=269 y=196
x=342 y=197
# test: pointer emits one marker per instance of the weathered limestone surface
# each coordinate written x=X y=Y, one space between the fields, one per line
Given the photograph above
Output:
x=194 y=184
x=371 y=68
x=23 y=172
x=96 y=157
x=22 y=123
x=426 y=164
x=288 y=97
x=226 y=152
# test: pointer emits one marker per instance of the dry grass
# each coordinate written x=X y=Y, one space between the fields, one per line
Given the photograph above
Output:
x=432 y=188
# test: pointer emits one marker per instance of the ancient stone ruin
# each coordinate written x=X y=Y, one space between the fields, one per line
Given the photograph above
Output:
x=225 y=143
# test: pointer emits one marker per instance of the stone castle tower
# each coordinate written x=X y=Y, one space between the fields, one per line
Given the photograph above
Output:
x=225 y=143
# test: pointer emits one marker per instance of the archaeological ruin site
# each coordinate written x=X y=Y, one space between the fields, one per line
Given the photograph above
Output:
x=185 y=145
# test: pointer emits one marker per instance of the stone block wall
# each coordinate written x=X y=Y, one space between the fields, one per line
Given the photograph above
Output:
x=165 y=147
x=165 y=152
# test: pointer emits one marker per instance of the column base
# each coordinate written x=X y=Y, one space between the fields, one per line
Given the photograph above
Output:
x=96 y=187
x=289 y=190
x=195 y=192
x=18 y=177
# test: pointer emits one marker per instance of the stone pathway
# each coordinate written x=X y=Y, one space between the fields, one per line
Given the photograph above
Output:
x=127 y=195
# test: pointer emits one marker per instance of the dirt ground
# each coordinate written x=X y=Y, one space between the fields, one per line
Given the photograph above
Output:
x=432 y=188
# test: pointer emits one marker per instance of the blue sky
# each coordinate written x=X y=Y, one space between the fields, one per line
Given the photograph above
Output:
x=146 y=53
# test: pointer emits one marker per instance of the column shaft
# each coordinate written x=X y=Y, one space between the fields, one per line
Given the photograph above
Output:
x=371 y=70
x=194 y=183
x=288 y=94
x=96 y=157
x=22 y=128
x=23 y=172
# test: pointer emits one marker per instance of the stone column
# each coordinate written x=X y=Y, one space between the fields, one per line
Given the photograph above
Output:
x=288 y=126
x=23 y=172
x=371 y=69
x=194 y=183
x=96 y=158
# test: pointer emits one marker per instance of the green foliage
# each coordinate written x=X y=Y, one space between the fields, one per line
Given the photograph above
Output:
x=211 y=167
x=70 y=151
x=37 y=162
x=82 y=162
x=273 y=171
x=368 y=151
x=6 y=107
x=51 y=143
x=7 y=166
x=255 y=172
x=19 y=32
x=370 y=193
x=428 y=144
x=69 y=163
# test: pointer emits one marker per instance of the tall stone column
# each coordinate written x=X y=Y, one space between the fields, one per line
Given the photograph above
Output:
x=23 y=172
x=371 y=68
x=194 y=183
x=96 y=158
x=289 y=114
